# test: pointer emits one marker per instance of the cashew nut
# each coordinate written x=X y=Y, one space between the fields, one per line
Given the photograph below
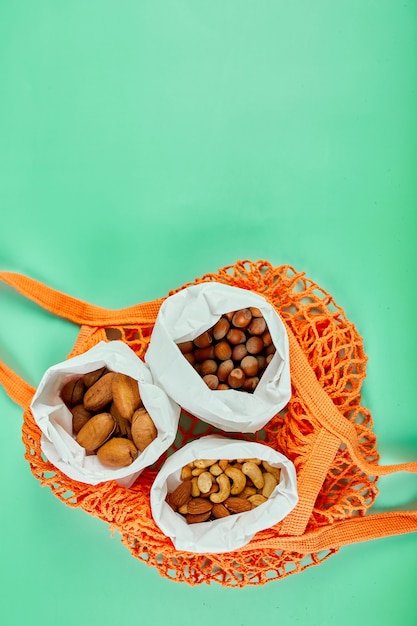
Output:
x=238 y=479
x=215 y=469
x=248 y=491
x=270 y=482
x=275 y=471
x=253 y=472
x=195 y=491
x=257 y=499
x=186 y=473
x=205 y=481
x=203 y=463
x=224 y=489
x=223 y=463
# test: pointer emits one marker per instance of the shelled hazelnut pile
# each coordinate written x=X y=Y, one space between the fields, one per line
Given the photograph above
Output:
x=234 y=353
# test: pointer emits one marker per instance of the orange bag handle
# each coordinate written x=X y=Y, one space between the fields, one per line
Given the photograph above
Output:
x=337 y=427
x=79 y=311
x=73 y=310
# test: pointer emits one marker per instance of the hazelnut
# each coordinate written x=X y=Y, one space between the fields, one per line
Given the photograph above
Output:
x=242 y=318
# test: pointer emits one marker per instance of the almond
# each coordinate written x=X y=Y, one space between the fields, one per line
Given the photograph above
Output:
x=126 y=395
x=219 y=510
x=237 y=505
x=99 y=394
x=180 y=495
x=199 y=505
x=196 y=518
x=117 y=452
x=96 y=431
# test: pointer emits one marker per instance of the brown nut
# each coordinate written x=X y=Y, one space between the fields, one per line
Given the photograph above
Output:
x=211 y=381
x=100 y=394
x=96 y=431
x=80 y=416
x=224 y=369
x=209 y=366
x=92 y=377
x=242 y=318
x=203 y=341
x=270 y=482
x=205 y=481
x=126 y=396
x=186 y=346
x=238 y=479
x=219 y=510
x=222 y=350
x=221 y=328
x=181 y=494
x=254 y=345
x=257 y=499
x=249 y=365
x=224 y=489
x=199 y=505
x=143 y=429
x=236 y=378
x=257 y=326
x=117 y=452
x=239 y=352
x=73 y=391
x=253 y=471
x=196 y=518
x=237 y=505
x=236 y=336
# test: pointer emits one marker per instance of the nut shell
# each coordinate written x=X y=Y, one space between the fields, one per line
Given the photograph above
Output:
x=143 y=430
x=99 y=394
x=117 y=452
x=96 y=431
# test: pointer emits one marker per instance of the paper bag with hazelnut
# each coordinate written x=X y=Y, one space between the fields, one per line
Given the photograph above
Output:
x=222 y=353
x=214 y=494
x=102 y=417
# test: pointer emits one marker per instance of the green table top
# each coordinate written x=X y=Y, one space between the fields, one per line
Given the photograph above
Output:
x=144 y=144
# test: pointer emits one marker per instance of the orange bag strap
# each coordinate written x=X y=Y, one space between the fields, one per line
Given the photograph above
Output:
x=337 y=429
x=73 y=310
x=339 y=534
x=79 y=311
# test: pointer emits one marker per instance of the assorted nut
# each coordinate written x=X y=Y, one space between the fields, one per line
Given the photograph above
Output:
x=234 y=353
x=214 y=488
x=108 y=416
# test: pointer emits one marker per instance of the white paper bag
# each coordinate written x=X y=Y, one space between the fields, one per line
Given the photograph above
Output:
x=185 y=315
x=55 y=420
x=228 y=533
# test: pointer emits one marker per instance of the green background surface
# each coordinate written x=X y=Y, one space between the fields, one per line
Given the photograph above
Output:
x=144 y=144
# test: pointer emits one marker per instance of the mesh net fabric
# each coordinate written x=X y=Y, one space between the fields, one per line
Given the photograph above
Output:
x=335 y=352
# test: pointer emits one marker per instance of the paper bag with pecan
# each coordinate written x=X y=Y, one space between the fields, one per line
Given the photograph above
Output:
x=102 y=417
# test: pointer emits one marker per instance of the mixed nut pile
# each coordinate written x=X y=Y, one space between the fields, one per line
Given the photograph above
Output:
x=216 y=488
x=234 y=353
x=108 y=416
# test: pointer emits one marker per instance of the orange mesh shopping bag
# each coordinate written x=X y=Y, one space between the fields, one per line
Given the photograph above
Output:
x=324 y=430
